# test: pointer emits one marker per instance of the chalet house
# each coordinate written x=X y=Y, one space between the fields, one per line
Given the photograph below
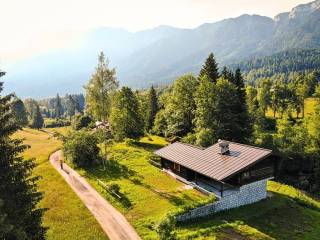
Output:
x=236 y=173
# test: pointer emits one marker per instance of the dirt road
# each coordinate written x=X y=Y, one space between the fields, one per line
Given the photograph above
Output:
x=111 y=220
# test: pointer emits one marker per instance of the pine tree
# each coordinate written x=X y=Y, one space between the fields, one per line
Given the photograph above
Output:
x=100 y=88
x=125 y=118
x=20 y=216
x=71 y=105
x=19 y=112
x=225 y=117
x=152 y=108
x=37 y=120
x=244 y=121
x=210 y=68
x=58 y=107
x=227 y=74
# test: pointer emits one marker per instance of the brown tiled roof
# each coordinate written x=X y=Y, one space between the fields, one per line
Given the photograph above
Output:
x=210 y=162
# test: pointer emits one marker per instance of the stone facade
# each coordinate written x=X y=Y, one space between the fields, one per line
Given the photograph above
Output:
x=247 y=194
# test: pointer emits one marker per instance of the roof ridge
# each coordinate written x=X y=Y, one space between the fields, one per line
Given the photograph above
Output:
x=246 y=145
x=191 y=145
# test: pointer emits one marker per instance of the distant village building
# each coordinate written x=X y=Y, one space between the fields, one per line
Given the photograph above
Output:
x=102 y=125
x=236 y=173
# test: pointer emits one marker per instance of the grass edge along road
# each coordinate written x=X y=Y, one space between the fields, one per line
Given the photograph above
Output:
x=67 y=217
x=111 y=220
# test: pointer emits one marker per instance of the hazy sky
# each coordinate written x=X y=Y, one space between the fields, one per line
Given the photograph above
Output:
x=29 y=27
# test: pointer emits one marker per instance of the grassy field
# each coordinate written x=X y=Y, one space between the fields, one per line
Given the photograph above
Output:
x=67 y=218
x=309 y=107
x=148 y=193
x=288 y=214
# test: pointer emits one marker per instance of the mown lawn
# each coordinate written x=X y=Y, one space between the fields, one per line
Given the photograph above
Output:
x=309 y=107
x=67 y=218
x=288 y=214
x=148 y=193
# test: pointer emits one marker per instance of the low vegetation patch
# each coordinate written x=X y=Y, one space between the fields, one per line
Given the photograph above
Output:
x=148 y=194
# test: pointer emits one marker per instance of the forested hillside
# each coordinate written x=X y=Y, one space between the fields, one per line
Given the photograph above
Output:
x=294 y=60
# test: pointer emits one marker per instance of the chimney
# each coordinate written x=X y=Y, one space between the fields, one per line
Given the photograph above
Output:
x=224 y=146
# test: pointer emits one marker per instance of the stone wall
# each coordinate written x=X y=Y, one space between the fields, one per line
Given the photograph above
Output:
x=247 y=194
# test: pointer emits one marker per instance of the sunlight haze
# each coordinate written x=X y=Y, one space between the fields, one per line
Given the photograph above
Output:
x=34 y=26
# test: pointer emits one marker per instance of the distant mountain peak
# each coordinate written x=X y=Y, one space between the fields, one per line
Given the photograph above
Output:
x=299 y=11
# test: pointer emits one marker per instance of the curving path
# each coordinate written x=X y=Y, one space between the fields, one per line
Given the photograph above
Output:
x=111 y=220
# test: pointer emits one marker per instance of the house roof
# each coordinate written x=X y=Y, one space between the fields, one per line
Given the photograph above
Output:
x=210 y=162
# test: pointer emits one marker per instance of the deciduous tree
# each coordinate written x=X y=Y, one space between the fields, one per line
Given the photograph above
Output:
x=125 y=119
x=100 y=88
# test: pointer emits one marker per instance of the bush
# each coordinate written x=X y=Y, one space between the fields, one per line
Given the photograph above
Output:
x=81 y=148
x=114 y=187
x=81 y=121
x=53 y=123
x=190 y=139
x=205 y=137
x=165 y=228
x=155 y=161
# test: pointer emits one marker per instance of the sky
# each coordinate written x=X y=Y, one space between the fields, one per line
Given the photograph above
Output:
x=30 y=27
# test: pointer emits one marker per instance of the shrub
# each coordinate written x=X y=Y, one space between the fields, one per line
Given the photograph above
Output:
x=165 y=228
x=205 y=137
x=81 y=148
x=53 y=123
x=114 y=187
x=155 y=161
x=81 y=121
x=130 y=141
x=190 y=138
x=136 y=180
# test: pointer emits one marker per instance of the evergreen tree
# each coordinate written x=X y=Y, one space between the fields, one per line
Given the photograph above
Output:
x=125 y=118
x=226 y=124
x=19 y=112
x=100 y=88
x=210 y=68
x=58 y=107
x=152 y=108
x=71 y=105
x=21 y=218
x=36 y=119
x=244 y=122
x=227 y=74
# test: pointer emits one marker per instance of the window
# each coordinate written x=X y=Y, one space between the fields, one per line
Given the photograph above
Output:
x=176 y=167
x=246 y=175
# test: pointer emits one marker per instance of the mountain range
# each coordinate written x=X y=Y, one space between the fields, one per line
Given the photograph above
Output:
x=157 y=56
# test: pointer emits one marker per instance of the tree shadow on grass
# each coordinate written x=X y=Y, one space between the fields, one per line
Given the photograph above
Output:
x=280 y=217
x=151 y=147
x=114 y=170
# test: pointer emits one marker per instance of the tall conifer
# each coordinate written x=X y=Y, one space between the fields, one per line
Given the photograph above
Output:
x=152 y=108
x=210 y=68
x=20 y=218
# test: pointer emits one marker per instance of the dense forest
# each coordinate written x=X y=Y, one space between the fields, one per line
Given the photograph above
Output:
x=285 y=63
